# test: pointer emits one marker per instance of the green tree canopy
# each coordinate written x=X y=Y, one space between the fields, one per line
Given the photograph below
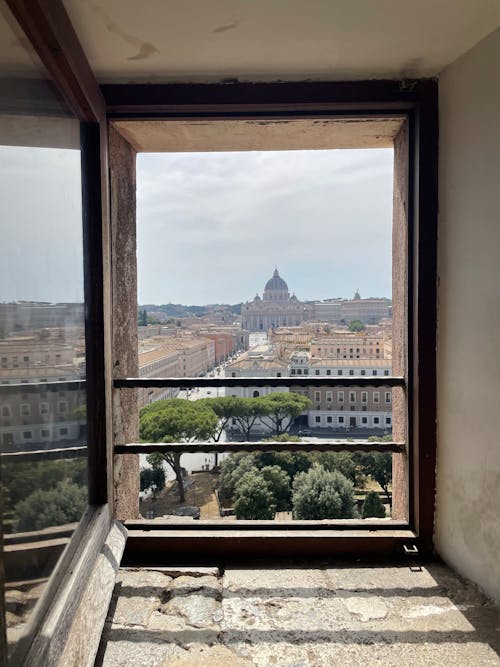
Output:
x=232 y=470
x=321 y=494
x=152 y=478
x=253 y=499
x=279 y=485
x=373 y=506
x=65 y=503
x=357 y=325
x=246 y=412
x=177 y=420
x=281 y=408
x=378 y=465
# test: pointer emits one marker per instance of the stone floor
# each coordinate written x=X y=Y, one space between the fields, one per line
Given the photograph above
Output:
x=332 y=614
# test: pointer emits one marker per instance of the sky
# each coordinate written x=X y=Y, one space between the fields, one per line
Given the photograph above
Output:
x=41 y=222
x=211 y=227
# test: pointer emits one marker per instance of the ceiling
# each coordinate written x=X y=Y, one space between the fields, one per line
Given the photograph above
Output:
x=274 y=40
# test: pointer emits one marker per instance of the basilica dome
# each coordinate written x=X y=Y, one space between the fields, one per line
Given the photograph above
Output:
x=276 y=283
x=276 y=289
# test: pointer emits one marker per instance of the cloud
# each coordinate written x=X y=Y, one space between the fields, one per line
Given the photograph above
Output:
x=212 y=226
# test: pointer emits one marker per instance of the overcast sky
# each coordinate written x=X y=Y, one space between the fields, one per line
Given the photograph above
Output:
x=212 y=226
x=41 y=222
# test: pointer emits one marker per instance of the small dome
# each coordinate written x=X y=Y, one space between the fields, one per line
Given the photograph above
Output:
x=276 y=283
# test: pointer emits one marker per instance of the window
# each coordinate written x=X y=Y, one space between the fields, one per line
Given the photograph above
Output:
x=256 y=394
x=44 y=433
x=387 y=396
x=318 y=420
x=25 y=409
x=278 y=375
x=340 y=396
x=329 y=396
x=388 y=421
x=364 y=420
x=352 y=397
x=316 y=372
x=386 y=372
x=329 y=419
x=63 y=431
x=339 y=372
x=376 y=420
x=374 y=372
x=317 y=396
x=328 y=371
x=364 y=397
x=6 y=411
x=62 y=407
x=44 y=408
x=27 y=435
x=341 y=420
x=363 y=372
x=376 y=397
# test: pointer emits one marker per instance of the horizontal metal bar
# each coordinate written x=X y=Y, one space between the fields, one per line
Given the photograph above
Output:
x=44 y=454
x=216 y=525
x=33 y=387
x=304 y=382
x=220 y=447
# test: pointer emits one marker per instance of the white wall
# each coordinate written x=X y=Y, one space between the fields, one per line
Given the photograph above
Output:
x=468 y=467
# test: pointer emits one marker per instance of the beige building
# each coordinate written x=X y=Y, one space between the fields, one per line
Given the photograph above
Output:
x=275 y=309
x=36 y=419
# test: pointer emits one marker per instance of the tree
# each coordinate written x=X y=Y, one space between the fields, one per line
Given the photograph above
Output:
x=344 y=462
x=65 y=503
x=321 y=494
x=152 y=478
x=21 y=480
x=281 y=408
x=232 y=470
x=279 y=485
x=356 y=326
x=177 y=420
x=379 y=466
x=253 y=499
x=247 y=411
x=373 y=506
x=142 y=318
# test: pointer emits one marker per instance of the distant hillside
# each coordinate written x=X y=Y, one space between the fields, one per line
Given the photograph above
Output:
x=180 y=310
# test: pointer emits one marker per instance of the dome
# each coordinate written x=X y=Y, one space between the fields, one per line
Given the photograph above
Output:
x=276 y=283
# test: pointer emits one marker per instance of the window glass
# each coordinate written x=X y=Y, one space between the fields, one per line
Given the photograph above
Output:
x=41 y=327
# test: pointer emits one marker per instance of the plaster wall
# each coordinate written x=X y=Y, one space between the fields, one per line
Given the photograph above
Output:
x=467 y=530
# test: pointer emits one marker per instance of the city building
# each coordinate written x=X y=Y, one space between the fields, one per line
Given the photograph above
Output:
x=41 y=419
x=275 y=309
x=369 y=311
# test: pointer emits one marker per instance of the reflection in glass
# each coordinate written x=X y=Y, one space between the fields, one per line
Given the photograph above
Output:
x=42 y=337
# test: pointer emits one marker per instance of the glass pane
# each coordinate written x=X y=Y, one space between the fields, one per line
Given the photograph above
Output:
x=42 y=338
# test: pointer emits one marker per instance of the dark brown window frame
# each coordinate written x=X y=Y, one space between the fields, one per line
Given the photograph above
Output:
x=418 y=101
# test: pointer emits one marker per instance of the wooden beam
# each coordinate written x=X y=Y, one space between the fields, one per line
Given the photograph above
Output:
x=93 y=249
x=198 y=546
x=62 y=598
x=183 y=100
x=49 y=29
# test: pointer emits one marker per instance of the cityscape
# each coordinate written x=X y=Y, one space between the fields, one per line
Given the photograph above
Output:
x=273 y=335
